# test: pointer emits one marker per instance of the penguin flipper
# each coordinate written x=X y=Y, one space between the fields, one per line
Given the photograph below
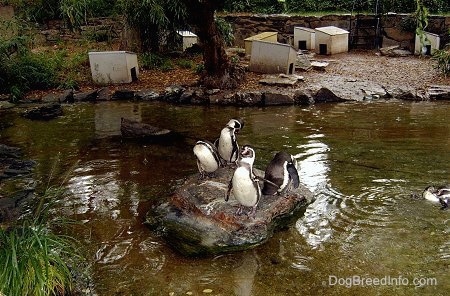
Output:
x=230 y=186
x=293 y=173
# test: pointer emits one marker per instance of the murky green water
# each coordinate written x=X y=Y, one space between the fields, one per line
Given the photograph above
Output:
x=362 y=160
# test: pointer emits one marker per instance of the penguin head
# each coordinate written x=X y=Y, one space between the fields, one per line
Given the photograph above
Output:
x=247 y=155
x=236 y=123
x=430 y=193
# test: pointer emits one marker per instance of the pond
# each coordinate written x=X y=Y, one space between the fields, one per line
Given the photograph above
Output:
x=363 y=234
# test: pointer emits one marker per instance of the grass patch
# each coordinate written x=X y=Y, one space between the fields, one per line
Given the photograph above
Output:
x=33 y=257
x=185 y=64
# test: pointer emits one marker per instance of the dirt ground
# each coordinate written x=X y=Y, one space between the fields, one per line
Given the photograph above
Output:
x=407 y=72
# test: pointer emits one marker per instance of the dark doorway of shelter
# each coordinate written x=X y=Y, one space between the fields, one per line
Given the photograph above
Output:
x=302 y=44
x=133 y=74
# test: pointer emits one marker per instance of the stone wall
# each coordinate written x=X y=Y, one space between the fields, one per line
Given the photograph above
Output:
x=101 y=29
x=396 y=29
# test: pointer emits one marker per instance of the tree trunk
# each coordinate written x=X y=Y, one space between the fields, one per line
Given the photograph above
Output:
x=219 y=73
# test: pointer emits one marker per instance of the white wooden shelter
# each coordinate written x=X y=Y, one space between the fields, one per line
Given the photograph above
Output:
x=187 y=39
x=264 y=36
x=113 y=66
x=270 y=57
x=331 y=40
x=304 y=38
x=431 y=44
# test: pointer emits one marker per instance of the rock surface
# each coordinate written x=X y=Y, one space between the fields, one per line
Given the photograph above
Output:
x=134 y=129
x=196 y=220
x=44 y=112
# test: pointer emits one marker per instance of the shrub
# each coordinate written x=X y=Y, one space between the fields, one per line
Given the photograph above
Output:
x=442 y=58
x=185 y=64
x=153 y=61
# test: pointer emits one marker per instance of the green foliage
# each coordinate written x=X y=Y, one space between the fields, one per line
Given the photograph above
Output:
x=34 y=258
x=21 y=70
x=74 y=10
x=200 y=68
x=226 y=30
x=296 y=6
x=421 y=16
x=154 y=19
x=257 y=6
x=152 y=61
x=185 y=64
x=442 y=58
x=36 y=10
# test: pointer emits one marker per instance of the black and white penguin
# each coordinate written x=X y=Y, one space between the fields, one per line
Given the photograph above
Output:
x=208 y=159
x=244 y=183
x=441 y=195
x=279 y=174
x=227 y=142
x=237 y=123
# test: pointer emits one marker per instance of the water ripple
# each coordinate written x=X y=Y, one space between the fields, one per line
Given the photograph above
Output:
x=94 y=188
x=111 y=252
x=335 y=213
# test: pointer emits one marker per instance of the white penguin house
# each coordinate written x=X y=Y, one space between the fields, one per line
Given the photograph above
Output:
x=271 y=58
x=113 y=66
x=264 y=36
x=187 y=39
x=304 y=38
x=331 y=40
x=430 y=44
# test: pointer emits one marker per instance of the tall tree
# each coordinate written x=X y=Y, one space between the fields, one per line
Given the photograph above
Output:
x=219 y=72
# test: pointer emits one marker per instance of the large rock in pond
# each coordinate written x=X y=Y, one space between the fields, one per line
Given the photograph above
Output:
x=197 y=221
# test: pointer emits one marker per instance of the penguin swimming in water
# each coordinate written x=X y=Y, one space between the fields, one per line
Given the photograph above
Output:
x=227 y=142
x=280 y=172
x=208 y=159
x=441 y=195
x=244 y=183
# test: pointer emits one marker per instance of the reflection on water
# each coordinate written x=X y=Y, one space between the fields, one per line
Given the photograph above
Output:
x=361 y=160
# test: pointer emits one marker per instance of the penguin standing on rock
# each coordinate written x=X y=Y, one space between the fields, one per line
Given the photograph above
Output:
x=208 y=159
x=227 y=143
x=279 y=174
x=244 y=183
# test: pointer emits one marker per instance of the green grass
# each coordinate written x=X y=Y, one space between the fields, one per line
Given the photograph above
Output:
x=34 y=259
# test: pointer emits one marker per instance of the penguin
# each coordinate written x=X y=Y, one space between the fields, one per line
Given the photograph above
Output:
x=441 y=195
x=244 y=183
x=237 y=123
x=280 y=172
x=227 y=142
x=208 y=159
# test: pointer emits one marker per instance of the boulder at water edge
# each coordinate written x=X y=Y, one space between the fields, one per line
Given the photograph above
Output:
x=196 y=220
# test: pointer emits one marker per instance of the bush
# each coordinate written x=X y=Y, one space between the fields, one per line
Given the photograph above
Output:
x=24 y=71
x=442 y=58
x=185 y=64
x=152 y=61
